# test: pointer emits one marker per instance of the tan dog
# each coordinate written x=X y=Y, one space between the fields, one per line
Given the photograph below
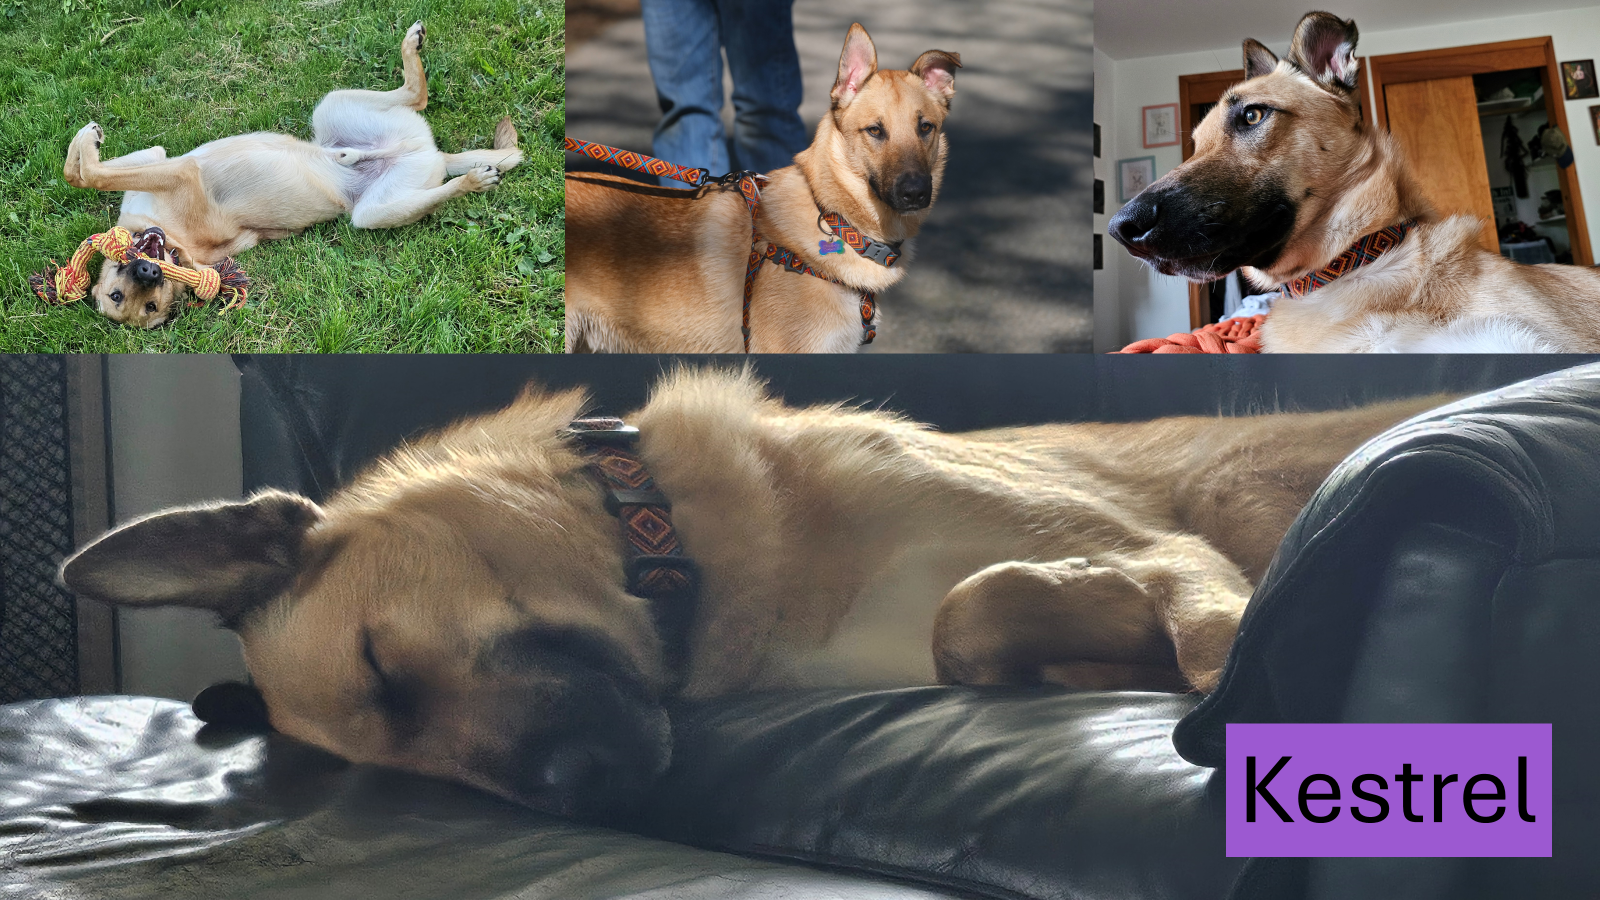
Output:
x=660 y=270
x=1286 y=176
x=460 y=609
x=373 y=158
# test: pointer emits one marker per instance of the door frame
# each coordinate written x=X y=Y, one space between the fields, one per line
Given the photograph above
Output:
x=1482 y=59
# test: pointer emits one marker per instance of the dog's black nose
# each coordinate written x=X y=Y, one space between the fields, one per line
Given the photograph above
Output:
x=146 y=273
x=1133 y=224
x=912 y=190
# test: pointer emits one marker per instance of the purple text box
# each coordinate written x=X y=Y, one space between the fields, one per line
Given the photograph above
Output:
x=1516 y=756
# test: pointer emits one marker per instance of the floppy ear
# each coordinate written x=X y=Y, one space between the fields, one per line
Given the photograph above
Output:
x=857 y=63
x=937 y=69
x=229 y=557
x=1258 y=60
x=1324 y=47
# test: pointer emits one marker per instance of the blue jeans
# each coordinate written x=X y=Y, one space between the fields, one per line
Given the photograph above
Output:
x=685 y=40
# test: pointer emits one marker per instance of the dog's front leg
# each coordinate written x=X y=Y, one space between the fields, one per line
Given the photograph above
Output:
x=86 y=143
x=1161 y=618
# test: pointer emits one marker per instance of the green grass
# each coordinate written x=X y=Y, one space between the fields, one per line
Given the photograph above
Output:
x=484 y=274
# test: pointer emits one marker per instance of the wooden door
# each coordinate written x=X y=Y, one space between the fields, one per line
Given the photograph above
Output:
x=1437 y=124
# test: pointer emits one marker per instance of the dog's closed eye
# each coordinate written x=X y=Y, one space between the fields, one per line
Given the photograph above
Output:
x=393 y=693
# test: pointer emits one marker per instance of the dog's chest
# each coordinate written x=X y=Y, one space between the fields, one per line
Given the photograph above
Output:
x=138 y=203
x=885 y=639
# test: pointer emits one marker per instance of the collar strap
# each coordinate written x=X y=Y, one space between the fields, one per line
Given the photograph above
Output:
x=1362 y=252
x=657 y=569
x=881 y=252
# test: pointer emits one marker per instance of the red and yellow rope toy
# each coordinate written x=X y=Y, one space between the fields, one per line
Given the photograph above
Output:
x=64 y=284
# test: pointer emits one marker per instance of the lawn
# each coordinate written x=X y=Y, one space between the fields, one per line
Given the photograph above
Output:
x=484 y=274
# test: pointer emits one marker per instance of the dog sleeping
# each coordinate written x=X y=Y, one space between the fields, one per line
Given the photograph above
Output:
x=373 y=156
x=659 y=270
x=1291 y=186
x=476 y=606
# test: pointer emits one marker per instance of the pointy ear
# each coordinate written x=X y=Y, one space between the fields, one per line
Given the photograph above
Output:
x=1324 y=47
x=937 y=69
x=1258 y=60
x=857 y=63
x=229 y=558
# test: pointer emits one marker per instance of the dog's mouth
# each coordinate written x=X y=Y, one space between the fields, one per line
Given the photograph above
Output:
x=152 y=242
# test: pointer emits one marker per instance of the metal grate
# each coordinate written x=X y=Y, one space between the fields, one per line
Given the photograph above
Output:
x=38 y=618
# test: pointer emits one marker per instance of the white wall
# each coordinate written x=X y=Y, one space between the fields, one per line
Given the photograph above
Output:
x=1152 y=305
x=174 y=440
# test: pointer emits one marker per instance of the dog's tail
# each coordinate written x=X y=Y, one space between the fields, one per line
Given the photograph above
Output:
x=505 y=135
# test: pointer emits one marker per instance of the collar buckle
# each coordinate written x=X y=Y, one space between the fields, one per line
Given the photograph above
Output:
x=880 y=253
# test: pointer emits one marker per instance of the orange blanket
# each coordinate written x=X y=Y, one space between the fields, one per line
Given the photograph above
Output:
x=1233 y=336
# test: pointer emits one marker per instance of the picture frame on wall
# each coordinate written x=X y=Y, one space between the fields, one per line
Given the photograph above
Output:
x=1134 y=175
x=1578 y=81
x=1594 y=119
x=1160 y=125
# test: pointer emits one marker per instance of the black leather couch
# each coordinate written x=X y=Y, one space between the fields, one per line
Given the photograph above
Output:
x=1446 y=574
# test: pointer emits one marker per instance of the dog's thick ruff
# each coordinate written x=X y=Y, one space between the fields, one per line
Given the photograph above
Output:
x=1286 y=175
x=462 y=610
x=373 y=156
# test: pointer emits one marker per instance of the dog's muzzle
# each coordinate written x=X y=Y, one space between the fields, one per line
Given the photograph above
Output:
x=1203 y=237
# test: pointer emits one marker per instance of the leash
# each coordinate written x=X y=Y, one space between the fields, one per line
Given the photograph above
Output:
x=64 y=284
x=749 y=183
x=653 y=560
x=1361 y=253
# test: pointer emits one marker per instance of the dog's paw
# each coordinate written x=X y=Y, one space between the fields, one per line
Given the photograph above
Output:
x=345 y=156
x=93 y=132
x=482 y=178
x=414 y=37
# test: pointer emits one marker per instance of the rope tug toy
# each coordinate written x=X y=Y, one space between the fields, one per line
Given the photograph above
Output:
x=61 y=285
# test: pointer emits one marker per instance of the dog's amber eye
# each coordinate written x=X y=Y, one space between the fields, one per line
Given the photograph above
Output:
x=925 y=128
x=150 y=307
x=875 y=130
x=116 y=296
x=1254 y=115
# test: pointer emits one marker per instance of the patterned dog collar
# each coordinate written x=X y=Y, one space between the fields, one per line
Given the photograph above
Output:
x=880 y=252
x=653 y=559
x=1362 y=252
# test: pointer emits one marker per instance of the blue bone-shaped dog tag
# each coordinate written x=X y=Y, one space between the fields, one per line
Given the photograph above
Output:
x=826 y=247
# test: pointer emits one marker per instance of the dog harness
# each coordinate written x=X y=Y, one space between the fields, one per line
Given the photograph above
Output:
x=1362 y=252
x=881 y=252
x=64 y=284
x=653 y=560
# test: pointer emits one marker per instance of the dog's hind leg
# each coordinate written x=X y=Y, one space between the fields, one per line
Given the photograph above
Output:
x=394 y=207
x=505 y=155
x=411 y=95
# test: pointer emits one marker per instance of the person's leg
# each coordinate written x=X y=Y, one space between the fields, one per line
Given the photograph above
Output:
x=685 y=53
x=759 y=36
